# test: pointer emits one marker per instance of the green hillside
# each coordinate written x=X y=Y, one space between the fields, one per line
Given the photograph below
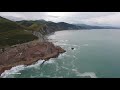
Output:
x=37 y=25
x=12 y=33
x=46 y=27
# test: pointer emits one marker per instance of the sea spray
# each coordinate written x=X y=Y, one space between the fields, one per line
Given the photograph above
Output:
x=14 y=70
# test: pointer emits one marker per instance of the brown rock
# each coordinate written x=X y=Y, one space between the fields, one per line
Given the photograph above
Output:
x=28 y=53
x=60 y=49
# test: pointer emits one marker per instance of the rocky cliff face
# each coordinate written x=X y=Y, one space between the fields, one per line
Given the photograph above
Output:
x=28 y=53
x=38 y=34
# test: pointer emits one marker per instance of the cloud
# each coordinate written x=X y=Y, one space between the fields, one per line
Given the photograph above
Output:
x=94 y=18
x=112 y=19
x=53 y=16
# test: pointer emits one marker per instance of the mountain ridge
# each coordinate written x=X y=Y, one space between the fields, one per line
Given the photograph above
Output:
x=53 y=26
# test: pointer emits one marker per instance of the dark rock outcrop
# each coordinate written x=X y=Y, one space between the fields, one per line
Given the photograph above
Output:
x=72 y=48
x=28 y=53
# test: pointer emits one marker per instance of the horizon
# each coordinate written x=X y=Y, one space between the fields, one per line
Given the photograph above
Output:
x=61 y=22
x=89 y=18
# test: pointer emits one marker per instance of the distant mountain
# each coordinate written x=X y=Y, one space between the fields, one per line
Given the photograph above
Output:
x=96 y=27
x=52 y=26
x=48 y=25
x=12 y=33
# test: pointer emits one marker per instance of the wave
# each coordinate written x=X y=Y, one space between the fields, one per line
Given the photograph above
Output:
x=90 y=74
x=65 y=68
x=86 y=74
x=61 y=56
x=12 y=71
x=50 y=61
x=64 y=44
x=63 y=40
x=52 y=37
x=16 y=70
x=37 y=64
x=57 y=77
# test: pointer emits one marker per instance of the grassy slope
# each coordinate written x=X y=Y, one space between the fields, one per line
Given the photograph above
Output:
x=39 y=26
x=50 y=26
x=11 y=33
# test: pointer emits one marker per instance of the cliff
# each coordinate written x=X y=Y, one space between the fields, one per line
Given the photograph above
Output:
x=19 y=47
x=28 y=53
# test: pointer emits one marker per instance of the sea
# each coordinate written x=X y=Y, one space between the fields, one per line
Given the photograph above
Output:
x=93 y=53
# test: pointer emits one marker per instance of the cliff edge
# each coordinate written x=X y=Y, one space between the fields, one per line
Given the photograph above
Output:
x=28 y=53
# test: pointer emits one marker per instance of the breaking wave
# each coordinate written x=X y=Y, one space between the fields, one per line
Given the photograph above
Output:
x=16 y=70
x=86 y=74
x=12 y=71
x=90 y=74
x=37 y=64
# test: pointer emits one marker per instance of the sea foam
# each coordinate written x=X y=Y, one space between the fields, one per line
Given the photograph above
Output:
x=15 y=70
x=86 y=74
x=90 y=74
x=12 y=71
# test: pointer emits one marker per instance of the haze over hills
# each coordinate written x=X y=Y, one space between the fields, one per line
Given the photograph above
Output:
x=96 y=27
x=15 y=32
x=52 y=26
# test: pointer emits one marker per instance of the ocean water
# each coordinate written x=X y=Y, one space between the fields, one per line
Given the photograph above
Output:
x=96 y=54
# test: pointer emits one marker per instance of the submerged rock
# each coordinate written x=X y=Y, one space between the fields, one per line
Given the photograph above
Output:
x=28 y=53
x=72 y=48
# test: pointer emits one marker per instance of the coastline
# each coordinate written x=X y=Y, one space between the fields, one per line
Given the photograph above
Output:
x=28 y=53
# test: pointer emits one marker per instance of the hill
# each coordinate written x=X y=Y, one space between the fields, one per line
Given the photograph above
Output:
x=96 y=27
x=12 y=33
x=48 y=26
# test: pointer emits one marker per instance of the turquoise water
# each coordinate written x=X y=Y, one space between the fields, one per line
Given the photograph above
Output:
x=96 y=54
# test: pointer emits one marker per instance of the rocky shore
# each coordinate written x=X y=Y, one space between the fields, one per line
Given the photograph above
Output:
x=28 y=53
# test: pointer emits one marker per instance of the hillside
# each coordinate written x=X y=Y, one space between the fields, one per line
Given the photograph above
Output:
x=7 y=25
x=12 y=33
x=96 y=27
x=48 y=26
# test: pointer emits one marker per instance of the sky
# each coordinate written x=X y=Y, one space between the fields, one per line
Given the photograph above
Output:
x=90 y=18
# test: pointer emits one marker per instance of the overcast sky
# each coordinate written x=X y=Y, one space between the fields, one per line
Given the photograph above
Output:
x=91 y=18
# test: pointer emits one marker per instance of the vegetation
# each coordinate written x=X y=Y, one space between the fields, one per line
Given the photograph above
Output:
x=47 y=26
x=21 y=31
x=7 y=25
x=38 y=26
x=12 y=33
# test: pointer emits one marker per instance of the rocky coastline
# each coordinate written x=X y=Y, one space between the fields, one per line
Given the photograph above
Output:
x=27 y=54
